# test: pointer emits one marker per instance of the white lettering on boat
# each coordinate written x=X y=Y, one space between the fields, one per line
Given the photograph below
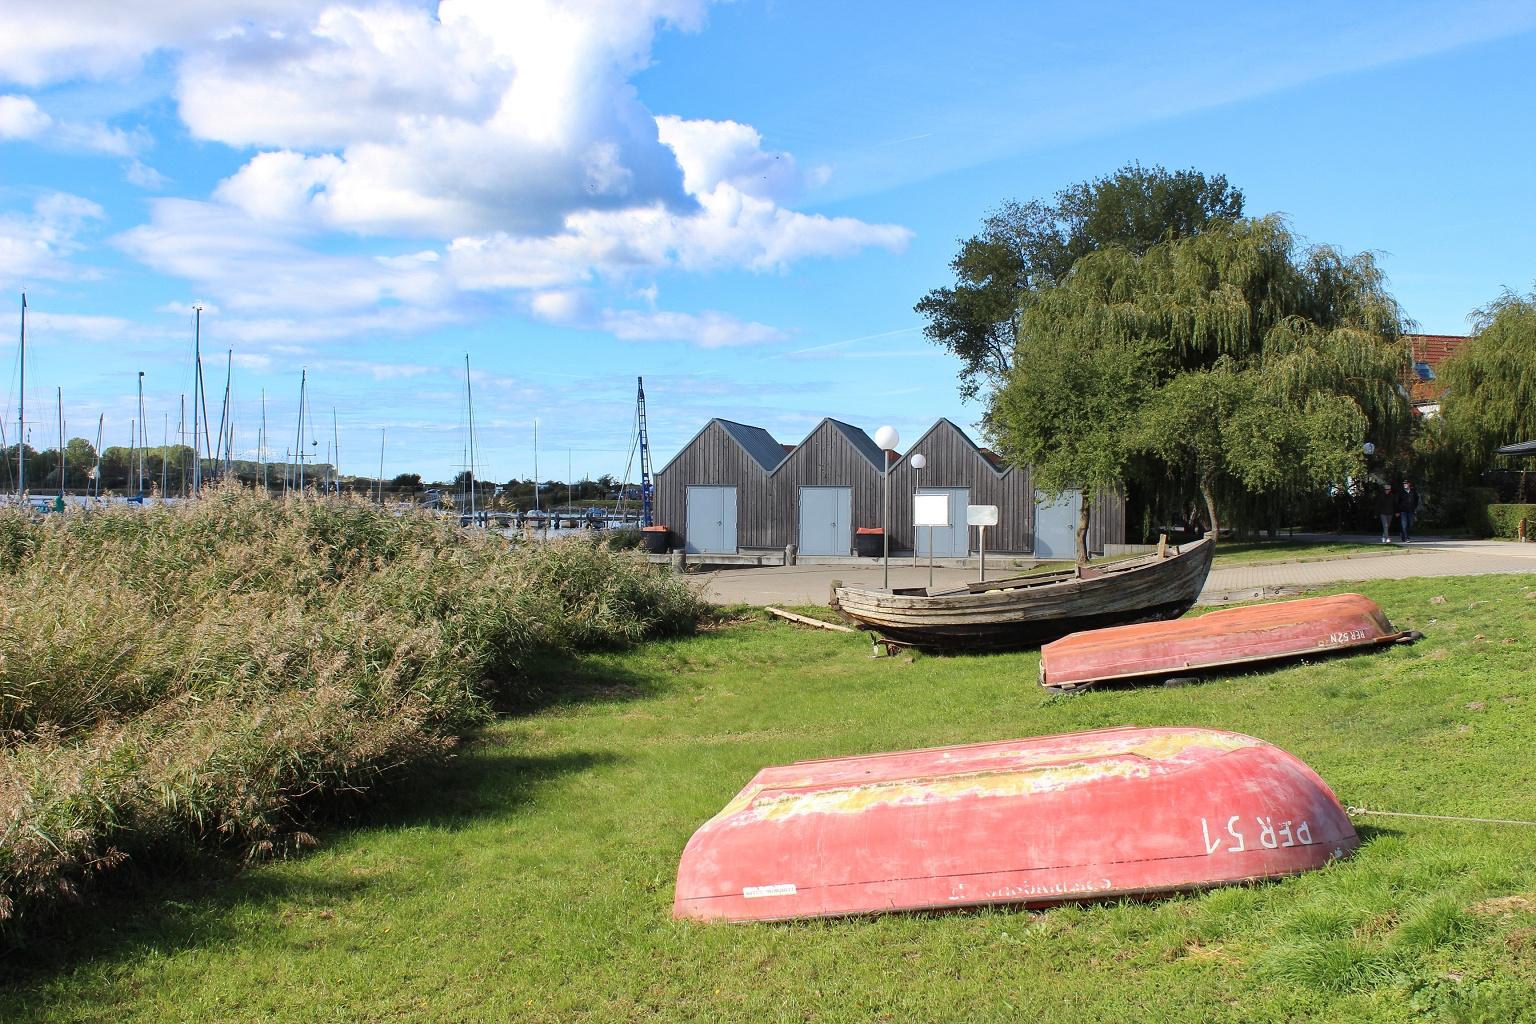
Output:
x=1347 y=637
x=1024 y=891
x=1270 y=835
x=782 y=889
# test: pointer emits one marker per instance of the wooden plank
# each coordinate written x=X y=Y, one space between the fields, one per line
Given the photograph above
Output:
x=806 y=620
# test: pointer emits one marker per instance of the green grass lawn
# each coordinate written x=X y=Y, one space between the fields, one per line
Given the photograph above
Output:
x=1231 y=552
x=532 y=878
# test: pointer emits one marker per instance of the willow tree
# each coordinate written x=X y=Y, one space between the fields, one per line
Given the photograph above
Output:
x=1234 y=358
x=1026 y=248
x=1490 y=382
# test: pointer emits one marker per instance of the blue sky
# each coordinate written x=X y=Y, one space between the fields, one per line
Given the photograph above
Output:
x=739 y=201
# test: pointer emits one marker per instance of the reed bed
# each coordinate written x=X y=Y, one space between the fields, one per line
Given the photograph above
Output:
x=217 y=673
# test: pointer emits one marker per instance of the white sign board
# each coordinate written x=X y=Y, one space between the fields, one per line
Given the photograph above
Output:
x=930 y=510
x=981 y=515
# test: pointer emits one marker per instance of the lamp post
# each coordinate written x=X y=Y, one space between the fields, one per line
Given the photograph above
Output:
x=887 y=439
x=918 y=462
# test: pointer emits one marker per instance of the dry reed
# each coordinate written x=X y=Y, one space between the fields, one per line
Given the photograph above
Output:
x=215 y=673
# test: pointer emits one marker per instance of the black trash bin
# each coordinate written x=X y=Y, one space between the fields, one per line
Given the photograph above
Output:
x=869 y=543
x=654 y=539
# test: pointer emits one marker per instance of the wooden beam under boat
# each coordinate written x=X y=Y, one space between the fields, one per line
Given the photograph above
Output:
x=1038 y=609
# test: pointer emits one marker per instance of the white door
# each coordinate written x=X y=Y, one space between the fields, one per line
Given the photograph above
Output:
x=826 y=520
x=711 y=527
x=1056 y=525
x=954 y=540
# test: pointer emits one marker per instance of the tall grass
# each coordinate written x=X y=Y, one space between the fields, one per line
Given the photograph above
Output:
x=214 y=673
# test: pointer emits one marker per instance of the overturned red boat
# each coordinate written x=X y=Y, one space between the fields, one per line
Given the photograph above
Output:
x=1233 y=636
x=1089 y=815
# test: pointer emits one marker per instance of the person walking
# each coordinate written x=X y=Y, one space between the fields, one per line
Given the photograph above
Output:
x=1407 y=506
x=1386 y=508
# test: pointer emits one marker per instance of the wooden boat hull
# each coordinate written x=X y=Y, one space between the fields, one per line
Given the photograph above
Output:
x=1083 y=816
x=1145 y=589
x=1232 y=636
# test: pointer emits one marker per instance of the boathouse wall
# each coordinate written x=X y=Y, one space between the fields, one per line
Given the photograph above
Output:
x=768 y=477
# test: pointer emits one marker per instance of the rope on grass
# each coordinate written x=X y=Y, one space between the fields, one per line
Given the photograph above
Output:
x=1354 y=811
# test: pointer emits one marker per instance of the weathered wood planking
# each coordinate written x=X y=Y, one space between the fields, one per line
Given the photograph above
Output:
x=1137 y=590
x=837 y=454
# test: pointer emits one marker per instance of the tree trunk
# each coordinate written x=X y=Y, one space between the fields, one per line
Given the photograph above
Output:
x=1084 y=510
x=1210 y=507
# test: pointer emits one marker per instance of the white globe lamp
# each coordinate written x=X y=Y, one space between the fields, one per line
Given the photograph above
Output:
x=919 y=462
x=887 y=438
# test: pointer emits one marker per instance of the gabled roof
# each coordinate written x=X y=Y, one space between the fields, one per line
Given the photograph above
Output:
x=989 y=458
x=1522 y=448
x=756 y=442
x=862 y=442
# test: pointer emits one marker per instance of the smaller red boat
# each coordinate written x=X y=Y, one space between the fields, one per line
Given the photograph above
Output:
x=1233 y=636
x=1083 y=816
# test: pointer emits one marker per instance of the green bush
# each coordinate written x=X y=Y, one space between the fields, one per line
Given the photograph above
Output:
x=1478 y=499
x=1504 y=520
x=214 y=672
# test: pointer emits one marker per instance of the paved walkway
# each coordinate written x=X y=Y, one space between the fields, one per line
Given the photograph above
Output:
x=1427 y=559
x=811 y=584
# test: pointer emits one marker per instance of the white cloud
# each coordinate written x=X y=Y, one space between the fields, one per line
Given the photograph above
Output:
x=144 y=176
x=94 y=328
x=20 y=118
x=708 y=329
x=251 y=266
x=39 y=246
x=493 y=116
x=44 y=41
x=504 y=133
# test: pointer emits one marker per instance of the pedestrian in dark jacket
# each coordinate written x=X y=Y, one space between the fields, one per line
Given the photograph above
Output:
x=1386 y=508
x=1407 y=506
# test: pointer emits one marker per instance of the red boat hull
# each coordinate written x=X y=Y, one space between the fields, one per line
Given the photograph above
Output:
x=1285 y=629
x=1093 y=815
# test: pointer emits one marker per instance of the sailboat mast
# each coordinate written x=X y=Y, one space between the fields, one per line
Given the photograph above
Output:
x=469 y=391
x=298 y=441
x=336 y=448
x=181 y=428
x=165 y=452
x=381 y=465
x=101 y=422
x=197 y=388
x=535 y=465
x=143 y=437
x=61 y=448
x=21 y=410
x=261 y=445
x=229 y=370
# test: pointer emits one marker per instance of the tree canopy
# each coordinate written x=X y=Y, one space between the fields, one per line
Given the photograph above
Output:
x=1024 y=248
x=1230 y=362
x=1490 y=382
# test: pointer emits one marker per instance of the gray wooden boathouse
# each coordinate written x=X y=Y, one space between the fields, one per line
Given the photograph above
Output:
x=734 y=488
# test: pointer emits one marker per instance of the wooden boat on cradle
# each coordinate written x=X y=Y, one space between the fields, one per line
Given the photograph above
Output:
x=1025 y=611
x=1095 y=815
x=1232 y=636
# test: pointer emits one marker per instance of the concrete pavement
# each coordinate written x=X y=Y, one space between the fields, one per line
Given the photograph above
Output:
x=811 y=584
